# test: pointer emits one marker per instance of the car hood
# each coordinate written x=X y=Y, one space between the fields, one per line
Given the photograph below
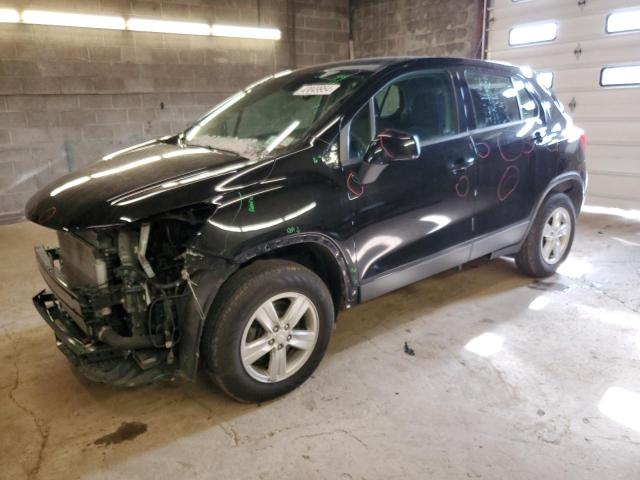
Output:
x=135 y=184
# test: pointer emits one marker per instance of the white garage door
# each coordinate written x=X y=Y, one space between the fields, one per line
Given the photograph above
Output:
x=581 y=42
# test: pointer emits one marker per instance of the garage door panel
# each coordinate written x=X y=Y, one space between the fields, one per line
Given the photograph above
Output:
x=609 y=116
x=623 y=133
x=620 y=159
x=561 y=8
x=602 y=106
x=600 y=97
x=614 y=186
x=569 y=31
x=621 y=49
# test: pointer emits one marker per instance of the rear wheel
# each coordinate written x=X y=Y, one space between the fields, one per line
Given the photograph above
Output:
x=268 y=330
x=550 y=238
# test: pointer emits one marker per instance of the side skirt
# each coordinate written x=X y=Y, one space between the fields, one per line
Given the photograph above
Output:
x=505 y=240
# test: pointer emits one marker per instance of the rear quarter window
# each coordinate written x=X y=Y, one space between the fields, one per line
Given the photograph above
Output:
x=494 y=98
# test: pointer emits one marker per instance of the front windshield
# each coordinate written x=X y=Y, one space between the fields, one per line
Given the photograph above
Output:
x=276 y=112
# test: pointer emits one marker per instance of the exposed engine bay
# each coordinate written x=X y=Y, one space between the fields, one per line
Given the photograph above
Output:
x=118 y=295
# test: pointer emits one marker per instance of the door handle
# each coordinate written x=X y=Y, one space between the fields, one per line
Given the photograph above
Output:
x=460 y=165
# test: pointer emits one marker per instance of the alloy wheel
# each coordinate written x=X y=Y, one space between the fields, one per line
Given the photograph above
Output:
x=556 y=234
x=279 y=337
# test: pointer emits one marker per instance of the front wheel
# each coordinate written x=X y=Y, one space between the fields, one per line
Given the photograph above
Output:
x=268 y=330
x=550 y=237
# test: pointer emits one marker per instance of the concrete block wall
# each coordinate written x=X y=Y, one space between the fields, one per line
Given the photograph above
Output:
x=417 y=27
x=68 y=96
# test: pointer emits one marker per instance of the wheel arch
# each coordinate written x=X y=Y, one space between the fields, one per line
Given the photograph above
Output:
x=573 y=188
x=317 y=252
x=569 y=183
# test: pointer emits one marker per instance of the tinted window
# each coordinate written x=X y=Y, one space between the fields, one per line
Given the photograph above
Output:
x=495 y=100
x=528 y=106
x=388 y=101
x=360 y=134
x=421 y=104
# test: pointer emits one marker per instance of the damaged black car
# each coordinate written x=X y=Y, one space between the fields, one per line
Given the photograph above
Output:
x=232 y=245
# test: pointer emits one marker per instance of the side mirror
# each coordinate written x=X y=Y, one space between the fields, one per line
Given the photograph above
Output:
x=388 y=146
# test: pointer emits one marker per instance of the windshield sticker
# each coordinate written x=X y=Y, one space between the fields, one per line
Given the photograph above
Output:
x=317 y=89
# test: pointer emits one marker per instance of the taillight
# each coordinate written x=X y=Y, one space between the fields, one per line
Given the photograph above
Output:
x=583 y=141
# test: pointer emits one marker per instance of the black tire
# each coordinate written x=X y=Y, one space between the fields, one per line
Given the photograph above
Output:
x=530 y=259
x=234 y=307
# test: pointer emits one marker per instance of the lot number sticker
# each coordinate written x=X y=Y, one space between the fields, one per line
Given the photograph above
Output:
x=317 y=89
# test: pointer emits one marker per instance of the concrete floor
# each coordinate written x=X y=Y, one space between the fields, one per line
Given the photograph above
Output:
x=549 y=386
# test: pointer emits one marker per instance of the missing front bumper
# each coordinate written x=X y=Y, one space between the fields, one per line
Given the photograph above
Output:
x=70 y=338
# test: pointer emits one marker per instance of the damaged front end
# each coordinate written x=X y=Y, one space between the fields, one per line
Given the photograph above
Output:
x=123 y=302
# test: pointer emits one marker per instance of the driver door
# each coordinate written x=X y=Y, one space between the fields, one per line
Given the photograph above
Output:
x=412 y=220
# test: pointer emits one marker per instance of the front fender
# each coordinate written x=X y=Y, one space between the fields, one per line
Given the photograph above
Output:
x=206 y=276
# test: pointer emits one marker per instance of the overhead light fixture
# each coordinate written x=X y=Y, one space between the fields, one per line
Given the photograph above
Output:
x=43 y=17
x=623 y=21
x=8 y=15
x=245 y=32
x=533 y=33
x=167 y=26
x=65 y=19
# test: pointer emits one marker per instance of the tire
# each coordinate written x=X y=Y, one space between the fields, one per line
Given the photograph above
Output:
x=533 y=259
x=236 y=323
x=120 y=373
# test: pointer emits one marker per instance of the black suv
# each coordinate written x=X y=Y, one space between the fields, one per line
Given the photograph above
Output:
x=305 y=193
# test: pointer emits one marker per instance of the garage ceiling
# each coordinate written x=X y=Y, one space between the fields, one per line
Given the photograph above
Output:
x=581 y=49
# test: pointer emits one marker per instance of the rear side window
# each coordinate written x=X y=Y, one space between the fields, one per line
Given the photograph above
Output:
x=528 y=106
x=494 y=98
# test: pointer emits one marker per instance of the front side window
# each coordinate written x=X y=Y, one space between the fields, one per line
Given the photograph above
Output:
x=421 y=104
x=278 y=112
x=494 y=98
x=360 y=134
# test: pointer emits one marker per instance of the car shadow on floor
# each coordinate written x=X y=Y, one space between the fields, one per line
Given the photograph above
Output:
x=51 y=413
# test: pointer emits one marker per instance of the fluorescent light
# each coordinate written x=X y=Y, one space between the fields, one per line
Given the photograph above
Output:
x=533 y=33
x=619 y=76
x=42 y=17
x=623 y=21
x=545 y=79
x=245 y=32
x=485 y=345
x=167 y=26
x=8 y=15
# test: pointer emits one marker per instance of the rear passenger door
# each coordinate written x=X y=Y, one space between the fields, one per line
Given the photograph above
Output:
x=506 y=123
